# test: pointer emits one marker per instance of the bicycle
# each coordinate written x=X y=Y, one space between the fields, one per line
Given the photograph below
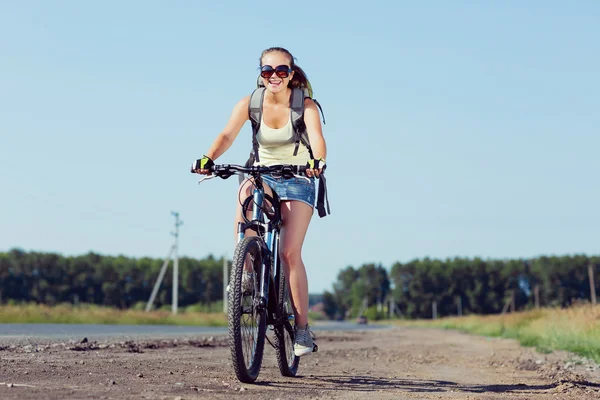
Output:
x=264 y=304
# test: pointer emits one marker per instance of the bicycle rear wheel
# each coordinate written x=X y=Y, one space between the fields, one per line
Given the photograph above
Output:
x=284 y=332
x=247 y=322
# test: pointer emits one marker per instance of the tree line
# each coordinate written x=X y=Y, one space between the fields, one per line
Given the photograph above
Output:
x=461 y=285
x=458 y=285
x=119 y=281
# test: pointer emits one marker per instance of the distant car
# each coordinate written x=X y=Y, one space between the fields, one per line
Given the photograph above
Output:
x=362 y=320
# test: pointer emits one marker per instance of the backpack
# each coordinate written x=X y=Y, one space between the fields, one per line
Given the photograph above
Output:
x=297 y=116
x=300 y=136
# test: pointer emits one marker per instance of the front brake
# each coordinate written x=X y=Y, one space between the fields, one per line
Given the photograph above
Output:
x=205 y=178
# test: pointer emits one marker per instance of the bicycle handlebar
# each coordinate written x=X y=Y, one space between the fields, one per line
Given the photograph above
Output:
x=287 y=171
x=224 y=171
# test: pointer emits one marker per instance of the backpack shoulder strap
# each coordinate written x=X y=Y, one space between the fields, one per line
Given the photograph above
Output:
x=255 y=115
x=297 y=111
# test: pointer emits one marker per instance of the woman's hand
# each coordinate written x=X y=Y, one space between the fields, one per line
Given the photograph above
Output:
x=202 y=166
x=315 y=167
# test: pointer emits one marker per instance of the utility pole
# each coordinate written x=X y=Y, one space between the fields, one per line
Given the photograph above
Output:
x=178 y=223
x=172 y=251
x=225 y=283
x=398 y=311
x=161 y=275
x=459 y=305
x=509 y=302
x=592 y=284
x=536 y=293
x=512 y=302
x=363 y=307
x=434 y=310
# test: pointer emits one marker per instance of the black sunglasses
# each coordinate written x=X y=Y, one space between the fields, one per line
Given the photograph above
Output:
x=282 y=71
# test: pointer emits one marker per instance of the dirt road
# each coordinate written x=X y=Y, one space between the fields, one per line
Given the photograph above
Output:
x=400 y=363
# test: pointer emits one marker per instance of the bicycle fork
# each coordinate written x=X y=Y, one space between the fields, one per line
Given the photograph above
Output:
x=267 y=252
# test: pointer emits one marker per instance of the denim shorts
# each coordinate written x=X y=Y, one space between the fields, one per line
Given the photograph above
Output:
x=298 y=189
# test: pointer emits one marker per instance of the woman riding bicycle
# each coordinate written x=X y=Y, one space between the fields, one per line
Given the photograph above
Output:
x=276 y=146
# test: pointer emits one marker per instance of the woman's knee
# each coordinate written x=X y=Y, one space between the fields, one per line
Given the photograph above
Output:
x=291 y=255
x=245 y=191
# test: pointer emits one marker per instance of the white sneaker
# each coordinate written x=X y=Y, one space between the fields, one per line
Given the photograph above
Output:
x=303 y=342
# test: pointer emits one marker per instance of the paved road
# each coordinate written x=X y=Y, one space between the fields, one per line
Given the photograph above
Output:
x=103 y=332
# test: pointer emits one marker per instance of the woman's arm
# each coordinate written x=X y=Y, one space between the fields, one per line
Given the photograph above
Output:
x=225 y=139
x=314 y=130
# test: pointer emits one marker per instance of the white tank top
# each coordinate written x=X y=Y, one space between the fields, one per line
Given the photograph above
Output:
x=276 y=146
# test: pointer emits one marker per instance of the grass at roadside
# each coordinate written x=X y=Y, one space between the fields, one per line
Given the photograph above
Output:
x=91 y=314
x=576 y=329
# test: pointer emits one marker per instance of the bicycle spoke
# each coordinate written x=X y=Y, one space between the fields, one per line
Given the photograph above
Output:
x=284 y=336
x=247 y=325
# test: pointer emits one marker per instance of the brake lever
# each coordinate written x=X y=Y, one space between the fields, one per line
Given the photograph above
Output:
x=205 y=178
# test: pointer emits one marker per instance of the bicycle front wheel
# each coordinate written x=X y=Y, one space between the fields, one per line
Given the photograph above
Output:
x=247 y=321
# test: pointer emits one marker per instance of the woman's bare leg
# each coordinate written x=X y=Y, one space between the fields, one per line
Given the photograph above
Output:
x=244 y=192
x=246 y=189
x=296 y=217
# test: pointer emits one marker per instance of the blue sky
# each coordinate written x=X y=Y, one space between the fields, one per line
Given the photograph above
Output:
x=458 y=128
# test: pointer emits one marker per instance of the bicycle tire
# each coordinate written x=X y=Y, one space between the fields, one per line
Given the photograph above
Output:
x=246 y=366
x=287 y=361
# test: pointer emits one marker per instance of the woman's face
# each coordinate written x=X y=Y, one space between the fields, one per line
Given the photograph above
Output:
x=275 y=71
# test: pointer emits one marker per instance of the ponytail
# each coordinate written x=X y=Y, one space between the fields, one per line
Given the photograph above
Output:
x=299 y=80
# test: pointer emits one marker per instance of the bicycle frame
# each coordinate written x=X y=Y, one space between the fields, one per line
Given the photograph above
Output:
x=270 y=232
